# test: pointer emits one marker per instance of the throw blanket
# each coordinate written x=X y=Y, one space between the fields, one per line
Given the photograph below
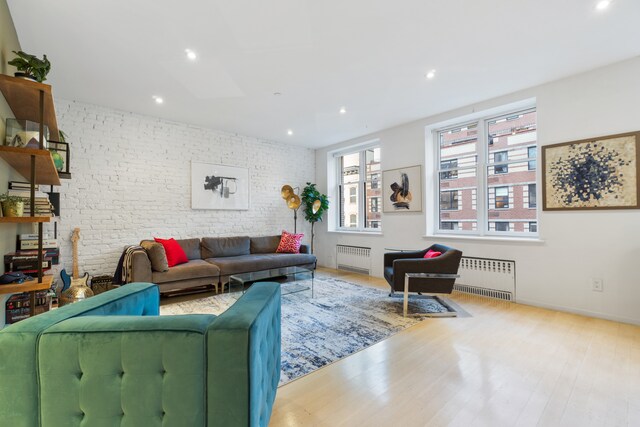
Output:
x=123 y=270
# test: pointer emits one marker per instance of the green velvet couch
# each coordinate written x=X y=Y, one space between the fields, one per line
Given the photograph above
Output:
x=111 y=360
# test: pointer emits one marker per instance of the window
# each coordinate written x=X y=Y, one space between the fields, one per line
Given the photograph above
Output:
x=374 y=204
x=483 y=167
x=533 y=227
x=359 y=189
x=448 y=225
x=532 y=196
x=499 y=157
x=449 y=164
x=502 y=226
x=531 y=153
x=502 y=197
x=448 y=200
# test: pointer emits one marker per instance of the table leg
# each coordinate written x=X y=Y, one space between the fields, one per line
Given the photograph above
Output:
x=405 y=303
x=313 y=276
x=3 y=309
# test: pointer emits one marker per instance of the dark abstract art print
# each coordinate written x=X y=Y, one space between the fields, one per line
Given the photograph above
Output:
x=598 y=173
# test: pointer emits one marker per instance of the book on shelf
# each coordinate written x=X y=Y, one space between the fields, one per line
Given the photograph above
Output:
x=21 y=185
x=32 y=236
x=33 y=244
x=26 y=194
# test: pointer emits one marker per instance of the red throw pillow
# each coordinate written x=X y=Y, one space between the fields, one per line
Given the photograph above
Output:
x=289 y=243
x=175 y=253
x=432 y=254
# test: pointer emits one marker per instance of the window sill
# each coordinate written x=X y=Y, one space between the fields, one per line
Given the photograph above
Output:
x=532 y=240
x=361 y=232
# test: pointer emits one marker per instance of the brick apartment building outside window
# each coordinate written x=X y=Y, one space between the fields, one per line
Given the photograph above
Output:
x=486 y=176
x=359 y=190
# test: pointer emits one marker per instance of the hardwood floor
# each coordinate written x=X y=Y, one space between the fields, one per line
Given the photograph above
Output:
x=507 y=365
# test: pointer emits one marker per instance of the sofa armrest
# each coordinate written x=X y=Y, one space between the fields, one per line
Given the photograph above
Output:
x=244 y=359
x=133 y=370
x=140 y=267
x=304 y=249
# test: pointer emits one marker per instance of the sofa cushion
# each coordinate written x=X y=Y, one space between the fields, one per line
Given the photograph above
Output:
x=191 y=248
x=247 y=263
x=214 y=247
x=156 y=254
x=265 y=244
x=193 y=269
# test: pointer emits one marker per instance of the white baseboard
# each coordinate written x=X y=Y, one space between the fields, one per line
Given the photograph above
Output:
x=587 y=313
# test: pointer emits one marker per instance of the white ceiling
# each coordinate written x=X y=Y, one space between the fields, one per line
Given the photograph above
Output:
x=369 y=56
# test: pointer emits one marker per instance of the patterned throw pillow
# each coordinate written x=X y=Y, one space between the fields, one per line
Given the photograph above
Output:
x=289 y=243
x=432 y=254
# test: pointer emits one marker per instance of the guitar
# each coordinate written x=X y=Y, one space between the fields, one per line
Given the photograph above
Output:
x=76 y=280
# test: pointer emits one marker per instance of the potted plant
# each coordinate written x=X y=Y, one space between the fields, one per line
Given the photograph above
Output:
x=315 y=205
x=31 y=67
x=12 y=206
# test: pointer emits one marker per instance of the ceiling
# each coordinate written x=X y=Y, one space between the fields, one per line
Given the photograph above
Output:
x=369 y=56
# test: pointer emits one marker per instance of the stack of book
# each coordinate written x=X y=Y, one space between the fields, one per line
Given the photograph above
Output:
x=27 y=242
x=43 y=206
x=26 y=261
x=18 y=306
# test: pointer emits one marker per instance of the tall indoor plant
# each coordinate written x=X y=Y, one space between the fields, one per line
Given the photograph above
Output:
x=315 y=205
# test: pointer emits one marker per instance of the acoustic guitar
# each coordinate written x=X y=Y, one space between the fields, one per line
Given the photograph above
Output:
x=76 y=280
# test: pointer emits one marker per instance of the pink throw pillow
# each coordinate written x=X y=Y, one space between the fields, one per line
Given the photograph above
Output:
x=289 y=243
x=432 y=254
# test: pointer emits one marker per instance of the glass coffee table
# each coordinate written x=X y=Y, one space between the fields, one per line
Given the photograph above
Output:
x=238 y=282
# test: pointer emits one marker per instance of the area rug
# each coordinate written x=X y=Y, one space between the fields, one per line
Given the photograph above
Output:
x=342 y=318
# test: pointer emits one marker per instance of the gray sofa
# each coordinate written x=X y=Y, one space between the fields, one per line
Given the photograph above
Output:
x=213 y=259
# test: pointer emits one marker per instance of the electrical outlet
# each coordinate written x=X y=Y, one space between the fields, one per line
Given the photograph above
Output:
x=596 y=285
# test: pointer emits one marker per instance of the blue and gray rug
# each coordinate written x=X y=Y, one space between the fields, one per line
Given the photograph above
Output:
x=342 y=319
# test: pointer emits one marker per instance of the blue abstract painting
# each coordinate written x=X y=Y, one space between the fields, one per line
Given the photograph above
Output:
x=592 y=174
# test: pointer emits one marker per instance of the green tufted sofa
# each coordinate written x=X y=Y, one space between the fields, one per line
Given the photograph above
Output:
x=112 y=361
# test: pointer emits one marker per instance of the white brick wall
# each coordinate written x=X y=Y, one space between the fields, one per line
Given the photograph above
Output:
x=131 y=180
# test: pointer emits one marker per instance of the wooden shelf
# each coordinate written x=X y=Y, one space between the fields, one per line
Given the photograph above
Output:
x=20 y=160
x=32 y=285
x=24 y=219
x=23 y=97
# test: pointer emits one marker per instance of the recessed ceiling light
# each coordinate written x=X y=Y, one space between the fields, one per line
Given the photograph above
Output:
x=431 y=74
x=343 y=110
x=289 y=132
x=276 y=94
x=158 y=99
x=603 y=4
x=191 y=54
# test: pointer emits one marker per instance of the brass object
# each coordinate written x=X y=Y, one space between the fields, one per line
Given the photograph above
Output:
x=293 y=201
x=286 y=191
x=316 y=206
x=75 y=294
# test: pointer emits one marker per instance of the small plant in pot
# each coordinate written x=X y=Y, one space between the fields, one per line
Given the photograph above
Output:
x=31 y=67
x=12 y=206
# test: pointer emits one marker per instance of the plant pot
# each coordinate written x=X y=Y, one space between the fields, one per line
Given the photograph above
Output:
x=25 y=76
x=12 y=209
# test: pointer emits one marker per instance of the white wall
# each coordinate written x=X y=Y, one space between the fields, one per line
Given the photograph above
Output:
x=131 y=180
x=577 y=246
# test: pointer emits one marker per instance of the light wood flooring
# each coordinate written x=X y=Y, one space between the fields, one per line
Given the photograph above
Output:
x=507 y=365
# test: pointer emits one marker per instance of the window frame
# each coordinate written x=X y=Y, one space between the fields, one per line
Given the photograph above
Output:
x=481 y=122
x=361 y=185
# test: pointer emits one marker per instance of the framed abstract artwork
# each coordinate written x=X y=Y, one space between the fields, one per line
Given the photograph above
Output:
x=597 y=173
x=402 y=189
x=219 y=187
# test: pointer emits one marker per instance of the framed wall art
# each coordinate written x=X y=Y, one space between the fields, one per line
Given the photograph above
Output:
x=402 y=189
x=597 y=173
x=219 y=187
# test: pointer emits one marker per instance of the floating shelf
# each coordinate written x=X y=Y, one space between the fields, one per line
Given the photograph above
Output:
x=30 y=286
x=23 y=97
x=20 y=160
x=24 y=219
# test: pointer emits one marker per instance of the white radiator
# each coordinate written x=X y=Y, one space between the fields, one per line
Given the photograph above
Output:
x=495 y=278
x=353 y=258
